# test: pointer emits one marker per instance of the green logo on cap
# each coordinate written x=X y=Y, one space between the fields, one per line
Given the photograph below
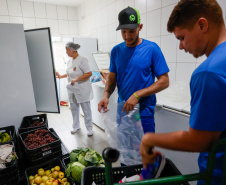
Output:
x=132 y=17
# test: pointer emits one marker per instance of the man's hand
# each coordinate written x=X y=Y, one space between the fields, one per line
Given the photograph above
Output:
x=103 y=104
x=130 y=104
x=147 y=153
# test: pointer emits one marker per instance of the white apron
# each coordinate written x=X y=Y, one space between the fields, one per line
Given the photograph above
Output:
x=82 y=90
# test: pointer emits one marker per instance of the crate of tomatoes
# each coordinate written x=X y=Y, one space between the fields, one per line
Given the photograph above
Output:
x=33 y=122
x=40 y=145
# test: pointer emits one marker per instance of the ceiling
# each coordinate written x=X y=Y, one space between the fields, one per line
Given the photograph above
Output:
x=59 y=2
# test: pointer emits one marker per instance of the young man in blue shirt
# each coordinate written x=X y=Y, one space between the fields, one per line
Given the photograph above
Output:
x=134 y=65
x=200 y=29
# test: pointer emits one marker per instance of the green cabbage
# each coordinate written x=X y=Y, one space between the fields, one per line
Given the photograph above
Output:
x=81 y=159
x=75 y=169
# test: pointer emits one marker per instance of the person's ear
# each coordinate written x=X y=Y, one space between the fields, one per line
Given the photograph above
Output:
x=140 y=27
x=203 y=24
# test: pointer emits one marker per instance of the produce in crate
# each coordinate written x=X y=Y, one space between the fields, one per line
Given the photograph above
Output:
x=81 y=158
x=4 y=137
x=48 y=177
x=39 y=138
x=36 y=123
x=7 y=155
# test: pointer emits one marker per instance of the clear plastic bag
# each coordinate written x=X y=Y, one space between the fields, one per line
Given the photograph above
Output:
x=125 y=134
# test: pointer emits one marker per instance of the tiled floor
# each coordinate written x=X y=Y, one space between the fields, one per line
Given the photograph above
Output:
x=62 y=124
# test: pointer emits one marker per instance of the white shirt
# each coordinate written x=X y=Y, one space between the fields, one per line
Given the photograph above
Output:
x=82 y=90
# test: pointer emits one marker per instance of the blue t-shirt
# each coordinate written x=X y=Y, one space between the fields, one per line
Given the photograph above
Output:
x=136 y=69
x=208 y=102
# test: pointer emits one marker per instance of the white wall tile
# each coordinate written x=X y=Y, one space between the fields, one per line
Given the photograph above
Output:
x=103 y=3
x=98 y=19
x=104 y=17
x=182 y=56
x=184 y=72
x=87 y=8
x=143 y=32
x=73 y=27
x=119 y=6
x=105 y=35
x=62 y=12
x=153 y=23
x=111 y=45
x=166 y=11
x=72 y=13
x=4 y=19
x=51 y=11
x=53 y=24
x=157 y=40
x=168 y=2
x=141 y=6
x=105 y=48
x=16 y=20
x=110 y=1
x=112 y=18
x=153 y=5
x=119 y=37
x=63 y=27
x=40 y=10
x=130 y=3
x=168 y=46
x=172 y=73
x=201 y=59
x=29 y=23
x=41 y=23
x=14 y=8
x=93 y=22
x=27 y=9
x=3 y=7
x=112 y=33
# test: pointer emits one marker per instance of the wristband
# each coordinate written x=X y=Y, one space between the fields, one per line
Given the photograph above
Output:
x=136 y=96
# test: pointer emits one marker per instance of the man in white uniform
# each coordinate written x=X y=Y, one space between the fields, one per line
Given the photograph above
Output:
x=79 y=87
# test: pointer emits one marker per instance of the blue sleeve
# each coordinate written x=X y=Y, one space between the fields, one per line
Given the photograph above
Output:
x=112 y=67
x=159 y=63
x=208 y=102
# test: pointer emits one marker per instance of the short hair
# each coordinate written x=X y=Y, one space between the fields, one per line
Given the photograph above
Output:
x=187 y=12
x=72 y=45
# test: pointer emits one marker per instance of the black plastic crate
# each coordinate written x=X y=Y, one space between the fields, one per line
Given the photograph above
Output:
x=27 y=121
x=10 y=174
x=43 y=153
x=97 y=174
x=46 y=166
x=65 y=151
x=12 y=132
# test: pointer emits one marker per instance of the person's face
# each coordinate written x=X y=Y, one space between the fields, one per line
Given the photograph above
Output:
x=69 y=52
x=131 y=37
x=191 y=40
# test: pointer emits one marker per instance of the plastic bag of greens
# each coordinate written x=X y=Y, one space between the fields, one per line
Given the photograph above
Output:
x=125 y=134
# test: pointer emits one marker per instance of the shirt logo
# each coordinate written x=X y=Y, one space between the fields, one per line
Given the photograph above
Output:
x=132 y=17
x=74 y=69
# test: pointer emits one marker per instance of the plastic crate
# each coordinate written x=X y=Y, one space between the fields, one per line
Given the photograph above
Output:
x=65 y=151
x=97 y=174
x=29 y=120
x=12 y=132
x=46 y=166
x=43 y=153
x=10 y=174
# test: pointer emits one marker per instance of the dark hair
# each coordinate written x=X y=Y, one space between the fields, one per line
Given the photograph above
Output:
x=187 y=12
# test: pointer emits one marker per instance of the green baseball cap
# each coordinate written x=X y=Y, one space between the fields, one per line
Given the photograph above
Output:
x=129 y=18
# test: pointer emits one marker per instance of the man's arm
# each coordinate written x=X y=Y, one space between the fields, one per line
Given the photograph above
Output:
x=109 y=89
x=159 y=85
x=191 y=141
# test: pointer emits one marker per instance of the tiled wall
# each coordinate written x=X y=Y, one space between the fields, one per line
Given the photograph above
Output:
x=61 y=19
x=98 y=18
